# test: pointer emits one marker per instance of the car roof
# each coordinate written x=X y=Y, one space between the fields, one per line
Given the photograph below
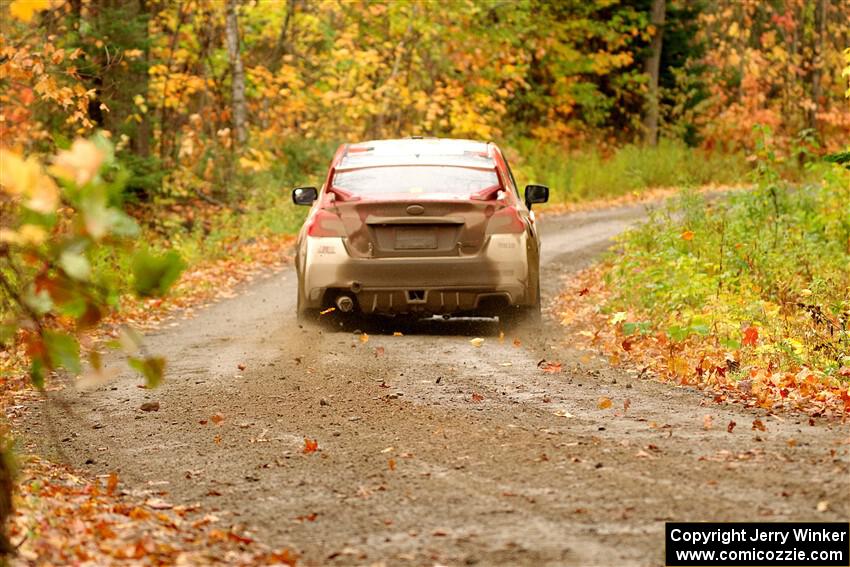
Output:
x=417 y=151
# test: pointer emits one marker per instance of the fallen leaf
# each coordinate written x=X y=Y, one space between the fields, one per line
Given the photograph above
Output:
x=476 y=342
x=823 y=506
x=158 y=504
x=583 y=291
x=476 y=397
x=501 y=336
x=217 y=418
x=391 y=464
x=112 y=483
x=751 y=336
x=687 y=235
x=150 y=406
x=311 y=446
x=328 y=310
x=217 y=439
x=398 y=334
x=563 y=413
x=364 y=338
x=758 y=424
x=604 y=402
x=517 y=342
x=792 y=442
x=731 y=426
x=549 y=367
x=707 y=422
x=240 y=366
x=627 y=403
x=379 y=351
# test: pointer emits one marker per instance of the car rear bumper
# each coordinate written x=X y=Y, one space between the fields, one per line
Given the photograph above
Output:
x=497 y=275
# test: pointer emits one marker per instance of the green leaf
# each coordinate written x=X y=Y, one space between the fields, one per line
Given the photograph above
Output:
x=154 y=274
x=152 y=368
x=63 y=350
x=75 y=265
x=122 y=224
x=74 y=307
x=37 y=373
x=700 y=329
x=678 y=333
x=7 y=332
x=39 y=302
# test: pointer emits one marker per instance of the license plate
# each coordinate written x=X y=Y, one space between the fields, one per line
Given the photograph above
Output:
x=415 y=239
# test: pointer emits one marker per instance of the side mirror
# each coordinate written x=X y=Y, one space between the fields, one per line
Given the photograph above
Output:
x=536 y=194
x=304 y=195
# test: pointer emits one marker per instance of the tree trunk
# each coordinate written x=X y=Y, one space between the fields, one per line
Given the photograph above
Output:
x=652 y=69
x=817 y=62
x=282 y=47
x=237 y=75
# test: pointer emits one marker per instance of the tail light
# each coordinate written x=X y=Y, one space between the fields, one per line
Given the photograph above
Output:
x=325 y=223
x=506 y=221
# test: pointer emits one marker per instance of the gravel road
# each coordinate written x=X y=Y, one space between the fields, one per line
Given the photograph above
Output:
x=432 y=451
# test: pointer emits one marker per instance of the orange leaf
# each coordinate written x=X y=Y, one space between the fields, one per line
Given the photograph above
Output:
x=217 y=418
x=311 y=446
x=604 y=403
x=687 y=235
x=112 y=483
x=476 y=397
x=758 y=424
x=549 y=367
x=751 y=336
x=391 y=464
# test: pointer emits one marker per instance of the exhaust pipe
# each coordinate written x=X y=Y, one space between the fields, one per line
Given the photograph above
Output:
x=345 y=304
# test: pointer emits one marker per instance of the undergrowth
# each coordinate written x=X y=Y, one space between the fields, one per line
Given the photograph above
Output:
x=762 y=274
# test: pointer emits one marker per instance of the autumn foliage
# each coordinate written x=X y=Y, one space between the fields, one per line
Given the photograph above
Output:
x=747 y=295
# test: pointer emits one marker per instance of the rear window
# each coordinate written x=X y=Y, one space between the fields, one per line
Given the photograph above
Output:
x=416 y=180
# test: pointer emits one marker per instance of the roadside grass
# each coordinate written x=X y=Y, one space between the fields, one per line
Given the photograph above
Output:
x=588 y=175
x=750 y=293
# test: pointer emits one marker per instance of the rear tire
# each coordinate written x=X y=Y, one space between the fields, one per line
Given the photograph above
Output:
x=303 y=314
x=517 y=315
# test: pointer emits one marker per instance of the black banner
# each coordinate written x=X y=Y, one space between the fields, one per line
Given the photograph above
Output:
x=761 y=544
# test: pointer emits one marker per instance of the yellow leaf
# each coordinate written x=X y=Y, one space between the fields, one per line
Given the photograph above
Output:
x=476 y=342
x=604 y=403
x=23 y=10
x=25 y=178
x=79 y=164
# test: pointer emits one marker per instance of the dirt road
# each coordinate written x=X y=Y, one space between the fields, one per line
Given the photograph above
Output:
x=432 y=451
